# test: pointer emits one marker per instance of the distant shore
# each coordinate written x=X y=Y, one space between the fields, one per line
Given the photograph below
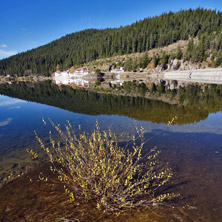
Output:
x=208 y=75
x=34 y=78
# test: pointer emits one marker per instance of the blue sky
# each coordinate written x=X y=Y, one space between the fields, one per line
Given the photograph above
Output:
x=27 y=24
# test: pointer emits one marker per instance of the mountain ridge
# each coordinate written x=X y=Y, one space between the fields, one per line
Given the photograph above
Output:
x=88 y=45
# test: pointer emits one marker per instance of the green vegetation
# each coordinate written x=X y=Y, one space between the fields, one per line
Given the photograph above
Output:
x=194 y=102
x=88 y=45
x=94 y=167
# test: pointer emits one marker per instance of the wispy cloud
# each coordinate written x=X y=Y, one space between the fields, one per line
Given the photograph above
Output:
x=4 y=46
x=14 y=107
x=6 y=122
x=11 y=102
x=34 y=42
x=24 y=29
x=6 y=53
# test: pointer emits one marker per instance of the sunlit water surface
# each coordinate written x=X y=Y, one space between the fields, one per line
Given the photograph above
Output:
x=194 y=150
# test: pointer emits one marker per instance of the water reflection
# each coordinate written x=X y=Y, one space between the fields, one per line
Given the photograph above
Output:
x=197 y=107
x=66 y=80
x=211 y=76
x=193 y=146
x=191 y=103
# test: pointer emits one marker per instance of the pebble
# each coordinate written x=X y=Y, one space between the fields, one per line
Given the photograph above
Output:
x=7 y=209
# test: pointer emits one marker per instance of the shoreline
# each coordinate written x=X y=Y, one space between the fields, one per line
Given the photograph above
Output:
x=208 y=75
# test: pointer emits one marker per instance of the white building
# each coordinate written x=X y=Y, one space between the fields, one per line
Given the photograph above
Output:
x=81 y=71
x=67 y=74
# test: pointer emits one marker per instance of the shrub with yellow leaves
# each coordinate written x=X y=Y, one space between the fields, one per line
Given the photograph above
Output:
x=94 y=166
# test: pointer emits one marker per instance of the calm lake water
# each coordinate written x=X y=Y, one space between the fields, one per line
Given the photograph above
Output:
x=192 y=147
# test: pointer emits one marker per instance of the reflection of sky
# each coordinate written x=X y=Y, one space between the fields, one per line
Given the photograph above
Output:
x=5 y=122
x=18 y=120
x=14 y=107
x=191 y=148
x=7 y=101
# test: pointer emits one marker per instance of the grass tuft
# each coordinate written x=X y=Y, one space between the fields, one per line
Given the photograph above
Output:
x=94 y=167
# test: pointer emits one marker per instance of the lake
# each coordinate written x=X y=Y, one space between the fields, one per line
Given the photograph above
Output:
x=192 y=146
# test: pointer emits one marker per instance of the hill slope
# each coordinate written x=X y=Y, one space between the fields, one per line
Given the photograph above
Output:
x=88 y=45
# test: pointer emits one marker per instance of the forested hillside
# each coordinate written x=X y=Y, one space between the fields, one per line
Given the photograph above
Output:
x=88 y=45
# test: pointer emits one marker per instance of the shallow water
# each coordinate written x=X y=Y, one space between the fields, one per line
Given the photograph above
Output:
x=192 y=146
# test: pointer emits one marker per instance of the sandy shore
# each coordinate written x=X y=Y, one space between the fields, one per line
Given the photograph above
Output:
x=209 y=75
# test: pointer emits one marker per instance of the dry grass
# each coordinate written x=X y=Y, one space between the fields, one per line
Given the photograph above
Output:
x=105 y=63
x=94 y=167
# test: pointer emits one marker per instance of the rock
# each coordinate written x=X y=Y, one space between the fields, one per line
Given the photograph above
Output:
x=7 y=209
x=14 y=165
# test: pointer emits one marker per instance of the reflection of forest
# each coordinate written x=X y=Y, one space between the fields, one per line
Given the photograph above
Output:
x=194 y=103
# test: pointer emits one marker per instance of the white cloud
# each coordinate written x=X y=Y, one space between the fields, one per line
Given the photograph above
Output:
x=6 y=122
x=4 y=46
x=4 y=53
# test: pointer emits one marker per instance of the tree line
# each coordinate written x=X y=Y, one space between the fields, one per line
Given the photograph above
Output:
x=84 y=46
